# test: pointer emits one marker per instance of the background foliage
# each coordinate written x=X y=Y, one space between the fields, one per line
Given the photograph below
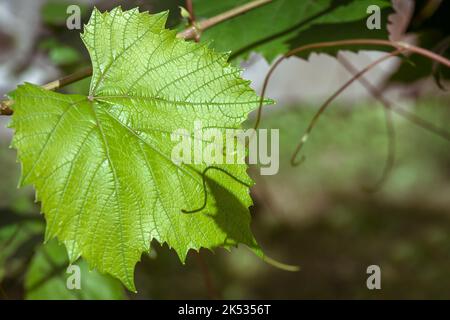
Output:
x=317 y=215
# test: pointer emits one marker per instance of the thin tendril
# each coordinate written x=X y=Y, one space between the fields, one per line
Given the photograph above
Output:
x=390 y=159
x=388 y=106
x=390 y=127
x=401 y=47
x=205 y=191
x=322 y=109
x=328 y=44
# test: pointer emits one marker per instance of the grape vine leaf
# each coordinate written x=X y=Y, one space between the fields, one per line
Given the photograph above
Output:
x=269 y=29
x=101 y=164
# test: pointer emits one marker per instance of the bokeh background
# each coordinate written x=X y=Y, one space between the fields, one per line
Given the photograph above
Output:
x=318 y=215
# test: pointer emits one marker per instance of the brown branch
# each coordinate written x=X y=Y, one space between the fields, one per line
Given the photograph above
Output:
x=5 y=106
x=192 y=32
x=196 y=30
x=79 y=75
x=192 y=20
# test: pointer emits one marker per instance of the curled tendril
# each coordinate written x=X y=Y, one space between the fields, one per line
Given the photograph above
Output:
x=390 y=127
x=400 y=46
x=296 y=163
x=389 y=108
x=265 y=258
x=324 y=106
x=205 y=191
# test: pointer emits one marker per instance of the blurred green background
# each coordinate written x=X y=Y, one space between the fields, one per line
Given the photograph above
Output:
x=317 y=215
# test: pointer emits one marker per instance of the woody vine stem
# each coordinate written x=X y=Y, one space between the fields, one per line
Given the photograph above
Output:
x=192 y=32
x=196 y=28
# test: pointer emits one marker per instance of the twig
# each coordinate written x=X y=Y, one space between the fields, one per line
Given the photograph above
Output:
x=190 y=9
x=79 y=75
x=325 y=105
x=195 y=30
x=5 y=106
x=192 y=19
x=192 y=32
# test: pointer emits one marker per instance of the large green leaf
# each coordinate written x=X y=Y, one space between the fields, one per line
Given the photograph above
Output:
x=101 y=164
x=268 y=29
